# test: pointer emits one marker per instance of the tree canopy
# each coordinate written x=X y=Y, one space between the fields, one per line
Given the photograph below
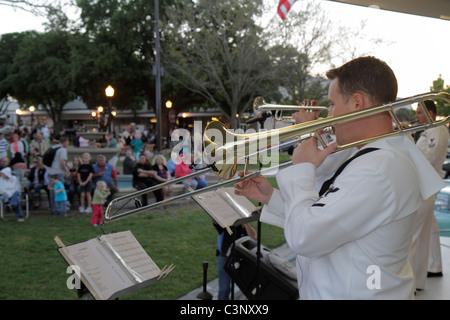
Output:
x=214 y=54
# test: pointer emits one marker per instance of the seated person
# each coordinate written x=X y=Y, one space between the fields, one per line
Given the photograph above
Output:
x=37 y=178
x=18 y=162
x=159 y=164
x=83 y=143
x=143 y=177
x=201 y=179
x=171 y=166
x=183 y=169
x=4 y=162
x=10 y=189
x=128 y=162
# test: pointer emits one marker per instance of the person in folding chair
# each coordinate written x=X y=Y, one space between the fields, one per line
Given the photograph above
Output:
x=10 y=189
x=352 y=234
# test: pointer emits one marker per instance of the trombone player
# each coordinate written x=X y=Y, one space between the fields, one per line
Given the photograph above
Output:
x=352 y=237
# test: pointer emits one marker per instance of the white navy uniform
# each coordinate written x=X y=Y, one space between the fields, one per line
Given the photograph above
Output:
x=425 y=245
x=353 y=242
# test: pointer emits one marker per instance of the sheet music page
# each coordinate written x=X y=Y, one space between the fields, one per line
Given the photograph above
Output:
x=104 y=275
x=133 y=257
x=217 y=208
x=226 y=208
x=240 y=203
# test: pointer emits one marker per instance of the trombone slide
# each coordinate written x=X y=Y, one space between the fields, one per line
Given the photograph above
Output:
x=225 y=156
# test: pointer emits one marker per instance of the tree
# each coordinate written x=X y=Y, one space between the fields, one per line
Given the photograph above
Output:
x=40 y=73
x=217 y=52
x=438 y=86
x=31 y=72
x=107 y=51
x=38 y=7
x=52 y=9
x=9 y=45
x=303 y=41
x=116 y=46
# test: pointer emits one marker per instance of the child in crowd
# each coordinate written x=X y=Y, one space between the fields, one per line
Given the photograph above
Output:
x=60 y=195
x=85 y=173
x=100 y=194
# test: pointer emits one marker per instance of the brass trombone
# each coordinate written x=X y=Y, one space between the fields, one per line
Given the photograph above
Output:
x=224 y=150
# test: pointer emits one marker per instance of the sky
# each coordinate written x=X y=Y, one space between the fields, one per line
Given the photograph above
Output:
x=415 y=47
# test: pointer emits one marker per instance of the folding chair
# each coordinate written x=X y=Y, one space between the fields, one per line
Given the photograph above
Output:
x=23 y=202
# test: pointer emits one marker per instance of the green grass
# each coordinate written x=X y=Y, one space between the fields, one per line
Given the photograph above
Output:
x=31 y=267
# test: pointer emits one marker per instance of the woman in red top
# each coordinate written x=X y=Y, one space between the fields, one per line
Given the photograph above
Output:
x=182 y=169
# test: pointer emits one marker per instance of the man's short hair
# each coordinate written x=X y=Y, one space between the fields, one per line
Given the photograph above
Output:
x=431 y=106
x=63 y=139
x=367 y=75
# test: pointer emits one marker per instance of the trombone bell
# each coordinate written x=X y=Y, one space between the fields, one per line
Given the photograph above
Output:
x=218 y=155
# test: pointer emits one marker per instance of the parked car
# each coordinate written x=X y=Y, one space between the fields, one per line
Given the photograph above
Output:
x=446 y=168
x=442 y=210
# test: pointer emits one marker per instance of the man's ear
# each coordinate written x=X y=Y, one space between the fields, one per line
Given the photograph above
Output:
x=359 y=101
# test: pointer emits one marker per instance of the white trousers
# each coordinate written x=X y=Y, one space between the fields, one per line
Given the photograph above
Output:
x=435 y=257
x=420 y=245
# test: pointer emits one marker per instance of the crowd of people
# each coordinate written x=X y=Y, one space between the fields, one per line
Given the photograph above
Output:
x=81 y=183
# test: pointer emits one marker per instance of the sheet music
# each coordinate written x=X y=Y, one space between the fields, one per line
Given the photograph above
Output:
x=104 y=275
x=224 y=206
x=241 y=204
x=132 y=256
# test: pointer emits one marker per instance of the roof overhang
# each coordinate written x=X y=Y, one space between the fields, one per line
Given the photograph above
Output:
x=439 y=9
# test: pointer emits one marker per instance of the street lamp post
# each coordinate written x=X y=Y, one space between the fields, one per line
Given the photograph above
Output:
x=32 y=109
x=94 y=115
x=19 y=113
x=158 y=81
x=109 y=91
x=99 y=115
x=113 y=115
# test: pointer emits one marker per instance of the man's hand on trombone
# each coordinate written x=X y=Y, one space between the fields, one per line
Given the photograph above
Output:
x=305 y=115
x=308 y=151
x=258 y=188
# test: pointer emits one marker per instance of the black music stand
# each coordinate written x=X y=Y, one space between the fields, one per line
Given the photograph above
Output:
x=260 y=119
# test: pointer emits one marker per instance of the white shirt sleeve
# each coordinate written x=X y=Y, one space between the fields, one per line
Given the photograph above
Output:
x=433 y=143
x=273 y=212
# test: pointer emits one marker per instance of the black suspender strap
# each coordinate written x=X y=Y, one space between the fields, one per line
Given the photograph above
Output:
x=326 y=185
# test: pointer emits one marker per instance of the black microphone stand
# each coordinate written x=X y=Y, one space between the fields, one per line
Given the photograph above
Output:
x=205 y=295
x=261 y=118
x=258 y=237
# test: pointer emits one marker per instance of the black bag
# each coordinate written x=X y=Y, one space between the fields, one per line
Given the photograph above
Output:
x=49 y=155
x=277 y=277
